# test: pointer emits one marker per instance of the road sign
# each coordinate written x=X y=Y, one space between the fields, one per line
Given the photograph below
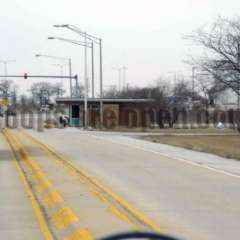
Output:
x=4 y=103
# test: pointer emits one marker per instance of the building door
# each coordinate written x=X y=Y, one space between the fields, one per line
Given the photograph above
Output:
x=75 y=116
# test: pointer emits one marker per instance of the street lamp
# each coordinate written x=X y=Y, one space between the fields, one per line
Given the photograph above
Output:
x=6 y=96
x=82 y=43
x=119 y=70
x=124 y=68
x=121 y=77
x=98 y=41
x=5 y=63
x=64 y=59
x=60 y=66
x=86 y=45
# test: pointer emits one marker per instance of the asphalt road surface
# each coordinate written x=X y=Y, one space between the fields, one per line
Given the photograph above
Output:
x=186 y=200
x=188 y=194
x=17 y=219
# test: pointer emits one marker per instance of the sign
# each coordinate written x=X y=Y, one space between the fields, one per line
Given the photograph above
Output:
x=4 y=103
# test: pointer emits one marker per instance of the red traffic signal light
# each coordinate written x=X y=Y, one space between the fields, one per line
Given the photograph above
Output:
x=25 y=76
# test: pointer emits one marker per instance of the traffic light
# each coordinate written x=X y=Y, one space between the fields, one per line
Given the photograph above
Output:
x=25 y=76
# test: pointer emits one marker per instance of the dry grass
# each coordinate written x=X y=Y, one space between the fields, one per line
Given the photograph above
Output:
x=225 y=146
x=175 y=130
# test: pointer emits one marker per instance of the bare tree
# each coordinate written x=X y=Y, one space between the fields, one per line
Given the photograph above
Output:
x=182 y=90
x=159 y=91
x=221 y=58
x=111 y=92
x=6 y=88
x=221 y=44
x=209 y=88
x=8 y=91
x=43 y=91
x=57 y=90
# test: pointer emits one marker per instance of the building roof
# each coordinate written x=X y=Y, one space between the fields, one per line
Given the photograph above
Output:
x=105 y=100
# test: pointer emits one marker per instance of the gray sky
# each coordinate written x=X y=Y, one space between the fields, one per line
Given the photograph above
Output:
x=144 y=35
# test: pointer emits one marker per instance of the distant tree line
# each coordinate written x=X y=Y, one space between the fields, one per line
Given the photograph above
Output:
x=41 y=93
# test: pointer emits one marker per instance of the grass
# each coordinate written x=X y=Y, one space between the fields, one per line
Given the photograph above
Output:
x=175 y=130
x=224 y=145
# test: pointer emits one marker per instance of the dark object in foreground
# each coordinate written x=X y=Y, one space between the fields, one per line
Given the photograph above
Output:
x=138 y=235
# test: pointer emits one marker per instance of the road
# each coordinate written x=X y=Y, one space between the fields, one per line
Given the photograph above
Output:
x=68 y=203
x=186 y=199
x=17 y=219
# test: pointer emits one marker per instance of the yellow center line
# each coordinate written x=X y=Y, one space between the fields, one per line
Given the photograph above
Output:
x=44 y=185
x=80 y=234
x=52 y=199
x=38 y=212
x=125 y=205
x=64 y=218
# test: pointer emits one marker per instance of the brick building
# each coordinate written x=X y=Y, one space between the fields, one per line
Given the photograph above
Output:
x=116 y=112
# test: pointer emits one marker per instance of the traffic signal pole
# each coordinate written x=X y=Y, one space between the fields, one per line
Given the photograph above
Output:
x=26 y=76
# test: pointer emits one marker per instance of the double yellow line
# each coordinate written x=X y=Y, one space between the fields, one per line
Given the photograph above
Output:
x=120 y=207
x=62 y=218
x=111 y=196
x=11 y=145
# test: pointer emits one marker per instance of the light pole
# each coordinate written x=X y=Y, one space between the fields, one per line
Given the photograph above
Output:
x=5 y=63
x=119 y=70
x=69 y=65
x=86 y=82
x=124 y=68
x=6 y=96
x=93 y=75
x=86 y=45
x=98 y=41
x=61 y=74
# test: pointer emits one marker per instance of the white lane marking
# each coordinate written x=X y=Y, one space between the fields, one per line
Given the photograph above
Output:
x=169 y=156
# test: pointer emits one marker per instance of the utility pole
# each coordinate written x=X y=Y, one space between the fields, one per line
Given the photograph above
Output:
x=93 y=87
x=101 y=83
x=5 y=63
x=119 y=79
x=70 y=75
x=5 y=94
x=86 y=83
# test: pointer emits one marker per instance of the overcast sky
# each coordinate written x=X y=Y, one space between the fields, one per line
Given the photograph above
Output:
x=143 y=35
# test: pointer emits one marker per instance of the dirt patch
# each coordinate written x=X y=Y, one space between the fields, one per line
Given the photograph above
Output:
x=225 y=146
